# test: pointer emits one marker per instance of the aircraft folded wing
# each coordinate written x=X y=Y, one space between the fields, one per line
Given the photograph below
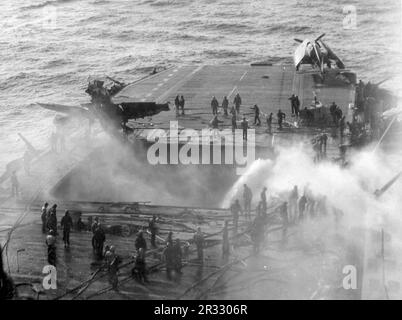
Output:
x=333 y=56
x=70 y=110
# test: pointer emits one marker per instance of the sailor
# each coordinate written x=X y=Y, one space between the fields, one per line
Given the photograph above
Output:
x=214 y=105
x=51 y=247
x=153 y=229
x=140 y=269
x=214 y=123
x=297 y=106
x=52 y=219
x=177 y=104
x=99 y=239
x=225 y=240
x=342 y=125
x=225 y=105
x=199 y=242
x=181 y=104
x=310 y=207
x=338 y=114
x=169 y=238
x=7 y=288
x=269 y=123
x=302 y=206
x=14 y=184
x=140 y=242
x=236 y=209
x=112 y=262
x=93 y=226
x=244 y=126
x=237 y=102
x=66 y=223
x=168 y=255
x=257 y=120
x=281 y=116
x=292 y=103
x=43 y=217
x=263 y=196
x=177 y=254
x=80 y=224
x=234 y=119
x=332 y=111
x=247 y=196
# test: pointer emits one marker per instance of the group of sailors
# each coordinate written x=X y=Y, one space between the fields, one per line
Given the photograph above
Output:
x=295 y=209
x=244 y=124
x=172 y=254
x=50 y=226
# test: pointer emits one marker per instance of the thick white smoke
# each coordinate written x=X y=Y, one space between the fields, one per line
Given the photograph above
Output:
x=349 y=189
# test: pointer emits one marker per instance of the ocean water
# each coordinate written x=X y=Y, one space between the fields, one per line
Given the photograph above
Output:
x=49 y=48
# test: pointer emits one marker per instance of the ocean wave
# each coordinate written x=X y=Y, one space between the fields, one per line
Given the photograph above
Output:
x=164 y=3
x=45 y=4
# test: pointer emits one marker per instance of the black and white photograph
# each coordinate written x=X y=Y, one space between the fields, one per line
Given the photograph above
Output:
x=200 y=154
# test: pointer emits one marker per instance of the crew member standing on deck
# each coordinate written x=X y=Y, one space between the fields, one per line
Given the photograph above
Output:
x=257 y=120
x=177 y=104
x=225 y=105
x=292 y=103
x=66 y=223
x=140 y=242
x=153 y=229
x=181 y=104
x=297 y=106
x=51 y=247
x=247 y=196
x=52 y=219
x=168 y=254
x=281 y=117
x=140 y=270
x=214 y=105
x=234 y=119
x=177 y=256
x=99 y=239
x=244 y=126
x=237 y=102
x=236 y=210
x=302 y=206
x=269 y=123
x=43 y=216
x=199 y=242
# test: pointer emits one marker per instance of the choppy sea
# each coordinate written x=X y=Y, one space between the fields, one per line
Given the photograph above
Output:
x=49 y=48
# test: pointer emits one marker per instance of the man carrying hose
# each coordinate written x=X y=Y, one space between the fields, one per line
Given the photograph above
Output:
x=199 y=242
